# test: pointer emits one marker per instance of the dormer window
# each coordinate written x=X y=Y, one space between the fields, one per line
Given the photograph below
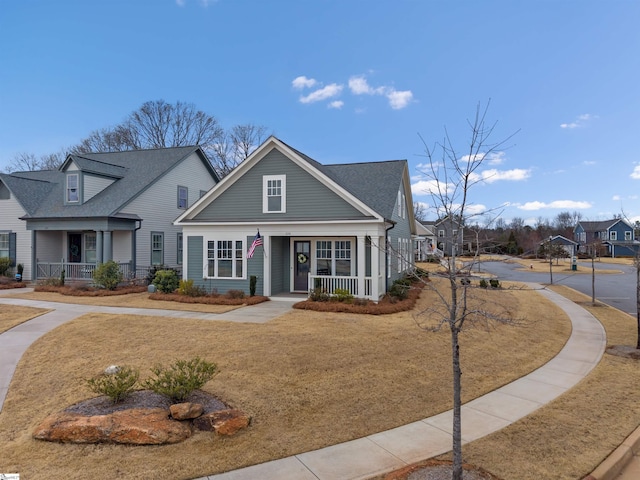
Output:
x=73 y=191
x=274 y=194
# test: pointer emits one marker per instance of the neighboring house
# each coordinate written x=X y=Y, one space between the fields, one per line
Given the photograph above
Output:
x=425 y=242
x=449 y=235
x=616 y=236
x=101 y=206
x=566 y=244
x=343 y=226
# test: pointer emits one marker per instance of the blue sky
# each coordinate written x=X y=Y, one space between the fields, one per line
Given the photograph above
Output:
x=351 y=81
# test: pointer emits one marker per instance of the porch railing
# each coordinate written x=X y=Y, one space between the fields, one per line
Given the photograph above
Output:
x=74 y=271
x=330 y=284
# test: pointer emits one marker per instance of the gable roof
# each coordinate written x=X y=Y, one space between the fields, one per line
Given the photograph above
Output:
x=370 y=186
x=42 y=193
x=600 y=226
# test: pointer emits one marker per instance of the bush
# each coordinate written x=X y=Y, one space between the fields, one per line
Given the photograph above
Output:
x=236 y=294
x=421 y=273
x=465 y=281
x=5 y=265
x=107 y=275
x=181 y=378
x=319 y=295
x=342 y=295
x=484 y=284
x=117 y=386
x=166 y=281
x=494 y=283
x=253 y=281
x=400 y=289
x=186 y=287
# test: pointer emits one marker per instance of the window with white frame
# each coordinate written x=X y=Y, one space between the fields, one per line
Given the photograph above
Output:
x=157 y=248
x=343 y=258
x=4 y=245
x=225 y=259
x=440 y=233
x=90 y=247
x=183 y=197
x=179 y=249
x=613 y=235
x=627 y=235
x=402 y=204
x=324 y=257
x=274 y=194
x=73 y=194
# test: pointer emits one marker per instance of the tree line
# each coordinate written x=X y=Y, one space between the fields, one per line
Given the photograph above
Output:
x=158 y=124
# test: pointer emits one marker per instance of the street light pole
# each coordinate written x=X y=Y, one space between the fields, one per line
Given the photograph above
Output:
x=550 y=262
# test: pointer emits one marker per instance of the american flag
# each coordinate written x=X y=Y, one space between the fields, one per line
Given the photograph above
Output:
x=256 y=243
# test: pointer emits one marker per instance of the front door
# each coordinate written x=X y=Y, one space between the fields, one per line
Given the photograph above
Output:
x=75 y=247
x=302 y=262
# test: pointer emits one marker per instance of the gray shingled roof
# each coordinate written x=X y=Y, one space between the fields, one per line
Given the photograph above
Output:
x=376 y=184
x=133 y=171
x=599 y=226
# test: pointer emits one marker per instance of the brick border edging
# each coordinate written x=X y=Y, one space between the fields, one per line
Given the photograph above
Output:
x=611 y=466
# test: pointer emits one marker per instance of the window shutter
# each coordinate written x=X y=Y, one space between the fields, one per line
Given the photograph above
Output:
x=12 y=248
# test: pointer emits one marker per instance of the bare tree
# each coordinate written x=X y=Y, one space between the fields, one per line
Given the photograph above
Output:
x=419 y=211
x=29 y=162
x=454 y=176
x=233 y=147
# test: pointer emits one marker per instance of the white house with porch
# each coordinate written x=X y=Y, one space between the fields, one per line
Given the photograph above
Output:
x=344 y=226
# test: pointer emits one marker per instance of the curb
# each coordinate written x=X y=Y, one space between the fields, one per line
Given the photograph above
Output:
x=611 y=467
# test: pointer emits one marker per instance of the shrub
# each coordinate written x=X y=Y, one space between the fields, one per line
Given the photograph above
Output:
x=166 y=281
x=236 y=294
x=117 y=386
x=483 y=283
x=421 y=273
x=181 y=378
x=465 y=281
x=62 y=278
x=253 y=281
x=319 y=295
x=494 y=283
x=186 y=287
x=5 y=265
x=342 y=295
x=107 y=275
x=400 y=289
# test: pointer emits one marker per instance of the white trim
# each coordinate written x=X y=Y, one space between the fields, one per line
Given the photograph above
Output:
x=223 y=238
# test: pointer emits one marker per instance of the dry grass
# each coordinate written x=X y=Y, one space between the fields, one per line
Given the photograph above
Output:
x=131 y=300
x=308 y=379
x=559 y=265
x=12 y=315
x=569 y=437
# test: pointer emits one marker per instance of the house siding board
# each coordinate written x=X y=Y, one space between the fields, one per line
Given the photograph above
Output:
x=10 y=213
x=157 y=207
x=121 y=246
x=306 y=197
x=49 y=246
x=279 y=265
x=93 y=185
x=402 y=229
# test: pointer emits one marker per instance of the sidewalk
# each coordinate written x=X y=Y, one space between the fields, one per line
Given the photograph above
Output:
x=382 y=452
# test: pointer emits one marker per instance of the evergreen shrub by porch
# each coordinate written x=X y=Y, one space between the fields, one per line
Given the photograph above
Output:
x=483 y=283
x=342 y=295
x=107 y=275
x=5 y=264
x=166 y=281
x=117 y=386
x=319 y=295
x=181 y=378
x=253 y=281
x=189 y=289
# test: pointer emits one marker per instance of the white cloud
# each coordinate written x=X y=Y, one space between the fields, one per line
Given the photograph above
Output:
x=322 y=93
x=589 y=162
x=636 y=173
x=359 y=86
x=181 y=3
x=493 y=175
x=303 y=82
x=399 y=100
x=430 y=187
x=559 y=204
x=337 y=104
x=616 y=198
x=580 y=121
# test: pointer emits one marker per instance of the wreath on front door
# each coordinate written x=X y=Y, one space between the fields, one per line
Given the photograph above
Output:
x=74 y=250
x=302 y=258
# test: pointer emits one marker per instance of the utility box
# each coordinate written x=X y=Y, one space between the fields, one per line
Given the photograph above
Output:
x=574 y=263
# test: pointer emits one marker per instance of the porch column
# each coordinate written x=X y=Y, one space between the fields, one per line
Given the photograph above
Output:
x=376 y=251
x=34 y=257
x=99 y=248
x=133 y=251
x=108 y=248
x=361 y=264
x=266 y=266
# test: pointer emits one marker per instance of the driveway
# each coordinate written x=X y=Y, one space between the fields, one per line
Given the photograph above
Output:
x=617 y=289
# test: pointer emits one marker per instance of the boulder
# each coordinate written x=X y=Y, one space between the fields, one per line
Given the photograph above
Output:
x=223 y=422
x=186 y=411
x=138 y=426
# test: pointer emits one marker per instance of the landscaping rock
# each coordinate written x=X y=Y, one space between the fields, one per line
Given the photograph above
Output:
x=186 y=411
x=134 y=426
x=223 y=422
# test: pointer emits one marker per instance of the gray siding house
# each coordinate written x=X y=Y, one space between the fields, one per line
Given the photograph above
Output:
x=343 y=226
x=615 y=236
x=101 y=206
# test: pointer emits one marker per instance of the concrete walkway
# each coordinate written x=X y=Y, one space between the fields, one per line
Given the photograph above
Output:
x=384 y=451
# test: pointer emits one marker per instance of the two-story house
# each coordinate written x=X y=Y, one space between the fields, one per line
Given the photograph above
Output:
x=101 y=206
x=615 y=236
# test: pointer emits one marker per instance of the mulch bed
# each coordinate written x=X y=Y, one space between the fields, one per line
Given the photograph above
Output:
x=84 y=291
x=438 y=470
x=208 y=299
x=11 y=284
